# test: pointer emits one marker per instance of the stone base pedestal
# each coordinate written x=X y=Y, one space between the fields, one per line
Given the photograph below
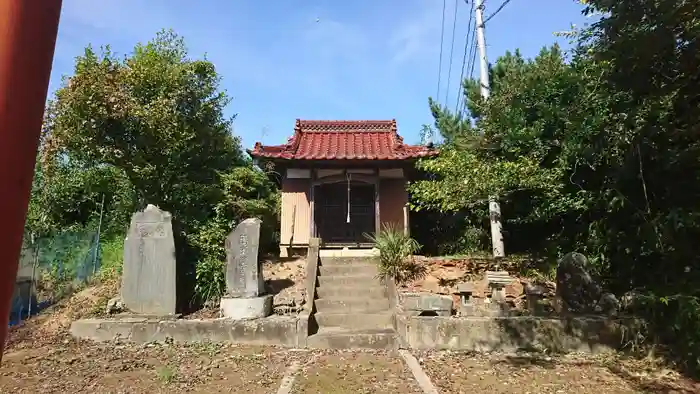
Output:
x=246 y=308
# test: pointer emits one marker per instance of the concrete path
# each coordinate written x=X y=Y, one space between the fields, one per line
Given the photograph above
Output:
x=341 y=372
x=421 y=377
x=288 y=379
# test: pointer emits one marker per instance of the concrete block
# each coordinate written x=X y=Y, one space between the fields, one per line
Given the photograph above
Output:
x=302 y=329
x=335 y=292
x=346 y=280
x=352 y=305
x=346 y=339
x=417 y=303
x=273 y=330
x=246 y=308
x=311 y=272
x=101 y=330
x=354 y=321
x=510 y=334
x=349 y=269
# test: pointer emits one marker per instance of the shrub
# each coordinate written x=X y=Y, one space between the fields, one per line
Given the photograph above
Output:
x=210 y=281
x=395 y=250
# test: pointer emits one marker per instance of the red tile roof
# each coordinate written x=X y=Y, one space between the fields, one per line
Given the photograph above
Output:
x=343 y=140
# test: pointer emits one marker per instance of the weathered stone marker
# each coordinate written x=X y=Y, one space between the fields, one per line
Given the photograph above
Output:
x=578 y=292
x=149 y=272
x=244 y=277
x=245 y=288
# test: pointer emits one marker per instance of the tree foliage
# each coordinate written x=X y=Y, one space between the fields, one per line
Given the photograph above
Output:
x=147 y=128
x=597 y=153
x=156 y=115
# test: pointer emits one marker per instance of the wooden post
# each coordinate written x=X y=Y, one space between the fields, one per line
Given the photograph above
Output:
x=406 y=228
x=377 y=214
x=27 y=42
x=312 y=204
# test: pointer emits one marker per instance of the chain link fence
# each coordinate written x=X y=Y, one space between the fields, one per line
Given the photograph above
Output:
x=50 y=268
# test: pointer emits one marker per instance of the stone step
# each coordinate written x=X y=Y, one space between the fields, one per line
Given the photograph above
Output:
x=350 y=305
x=349 y=269
x=374 y=290
x=354 y=321
x=334 y=261
x=348 y=280
x=338 y=338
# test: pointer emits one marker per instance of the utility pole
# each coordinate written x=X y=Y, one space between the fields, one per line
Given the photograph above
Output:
x=494 y=206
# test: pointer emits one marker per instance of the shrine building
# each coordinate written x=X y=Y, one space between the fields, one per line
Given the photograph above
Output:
x=341 y=180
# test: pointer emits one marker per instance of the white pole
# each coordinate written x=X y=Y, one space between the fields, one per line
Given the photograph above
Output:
x=97 y=241
x=494 y=207
x=481 y=42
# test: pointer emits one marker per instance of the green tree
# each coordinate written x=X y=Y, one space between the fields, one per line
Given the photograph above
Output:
x=514 y=144
x=156 y=115
x=646 y=57
x=149 y=128
x=70 y=197
x=599 y=154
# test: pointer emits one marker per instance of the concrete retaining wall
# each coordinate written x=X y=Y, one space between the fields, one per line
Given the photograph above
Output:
x=274 y=330
x=581 y=334
x=291 y=331
x=312 y=257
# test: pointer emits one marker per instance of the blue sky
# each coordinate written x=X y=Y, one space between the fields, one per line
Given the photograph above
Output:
x=316 y=59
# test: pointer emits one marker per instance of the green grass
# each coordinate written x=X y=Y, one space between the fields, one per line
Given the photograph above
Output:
x=112 y=258
x=166 y=374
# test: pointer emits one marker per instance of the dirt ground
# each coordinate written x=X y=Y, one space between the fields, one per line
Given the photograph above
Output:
x=456 y=373
x=81 y=367
x=345 y=372
x=73 y=367
x=41 y=357
x=43 y=360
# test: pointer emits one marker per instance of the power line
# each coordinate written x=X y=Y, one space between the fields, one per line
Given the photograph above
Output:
x=470 y=65
x=442 y=37
x=470 y=29
x=500 y=7
x=473 y=63
x=471 y=70
x=452 y=49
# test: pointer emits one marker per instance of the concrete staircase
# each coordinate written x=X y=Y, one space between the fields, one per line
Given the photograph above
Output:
x=352 y=309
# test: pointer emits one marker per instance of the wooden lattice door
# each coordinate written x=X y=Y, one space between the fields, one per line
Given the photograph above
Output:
x=334 y=206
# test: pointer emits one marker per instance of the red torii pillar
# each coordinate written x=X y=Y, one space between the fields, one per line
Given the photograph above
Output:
x=28 y=30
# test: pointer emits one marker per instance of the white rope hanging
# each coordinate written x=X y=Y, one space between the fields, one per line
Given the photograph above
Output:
x=347 y=177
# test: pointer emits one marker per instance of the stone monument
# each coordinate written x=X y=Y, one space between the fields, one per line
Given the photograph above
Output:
x=245 y=288
x=578 y=292
x=149 y=272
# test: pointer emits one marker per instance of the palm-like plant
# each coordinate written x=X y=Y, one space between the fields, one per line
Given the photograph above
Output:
x=395 y=251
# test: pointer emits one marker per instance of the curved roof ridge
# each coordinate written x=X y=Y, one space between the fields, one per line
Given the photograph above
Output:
x=343 y=140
